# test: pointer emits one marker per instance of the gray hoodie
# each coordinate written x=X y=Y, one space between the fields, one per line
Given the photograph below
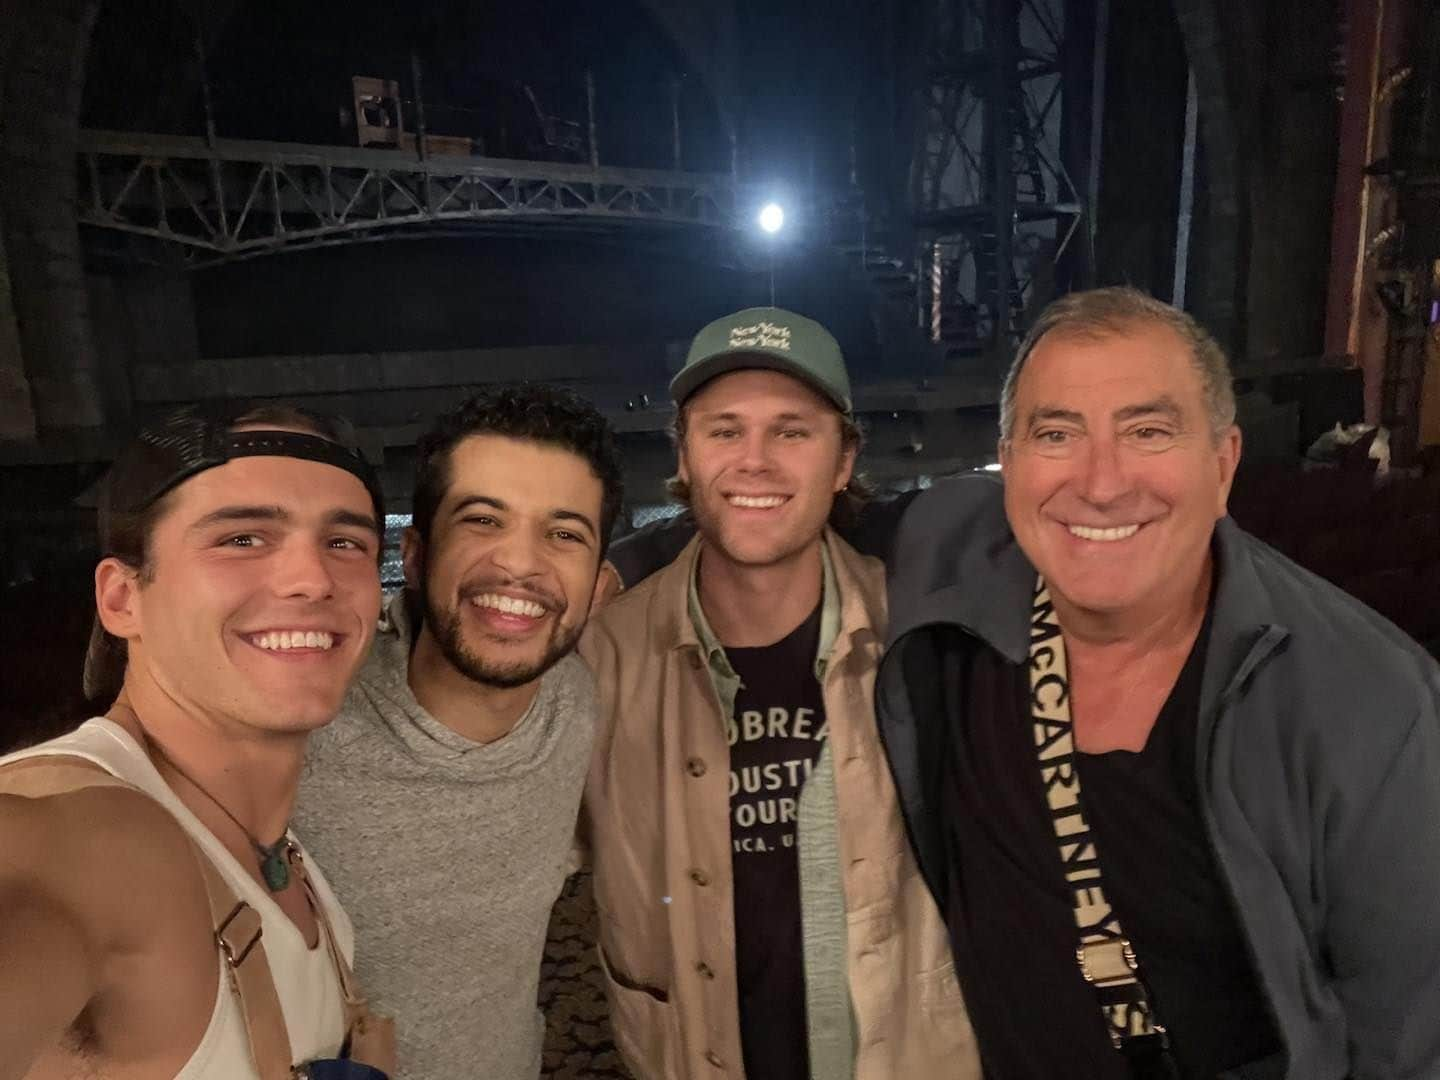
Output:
x=449 y=855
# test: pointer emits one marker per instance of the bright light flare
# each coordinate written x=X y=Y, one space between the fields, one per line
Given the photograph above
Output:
x=772 y=218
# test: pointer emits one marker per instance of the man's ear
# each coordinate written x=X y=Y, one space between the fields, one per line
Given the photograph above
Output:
x=844 y=470
x=607 y=586
x=1228 y=459
x=117 y=598
x=1002 y=453
x=412 y=558
x=682 y=470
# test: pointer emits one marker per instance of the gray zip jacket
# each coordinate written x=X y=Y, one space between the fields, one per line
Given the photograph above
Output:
x=1319 y=772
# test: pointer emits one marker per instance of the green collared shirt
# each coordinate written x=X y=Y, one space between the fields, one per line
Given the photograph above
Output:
x=829 y=1011
x=727 y=683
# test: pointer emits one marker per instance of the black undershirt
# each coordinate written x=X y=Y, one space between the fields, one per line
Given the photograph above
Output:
x=1010 y=914
x=778 y=732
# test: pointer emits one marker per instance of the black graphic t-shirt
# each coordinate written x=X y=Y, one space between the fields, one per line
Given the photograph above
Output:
x=1010 y=914
x=777 y=734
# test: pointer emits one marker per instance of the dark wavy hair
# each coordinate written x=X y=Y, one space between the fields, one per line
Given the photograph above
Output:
x=550 y=415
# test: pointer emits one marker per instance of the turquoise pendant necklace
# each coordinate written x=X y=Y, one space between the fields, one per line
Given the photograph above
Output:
x=274 y=858
x=274 y=861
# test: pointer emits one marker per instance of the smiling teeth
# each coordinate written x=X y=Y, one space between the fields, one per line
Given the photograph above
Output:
x=294 y=639
x=757 y=502
x=1120 y=532
x=509 y=605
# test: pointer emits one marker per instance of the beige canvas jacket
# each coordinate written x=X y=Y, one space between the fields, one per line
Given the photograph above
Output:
x=657 y=824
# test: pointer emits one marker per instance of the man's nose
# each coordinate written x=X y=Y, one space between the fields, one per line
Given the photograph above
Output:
x=518 y=554
x=755 y=451
x=303 y=570
x=1104 y=478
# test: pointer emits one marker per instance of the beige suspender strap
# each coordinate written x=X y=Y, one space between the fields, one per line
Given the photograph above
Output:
x=238 y=932
x=37 y=777
x=1106 y=958
x=236 y=923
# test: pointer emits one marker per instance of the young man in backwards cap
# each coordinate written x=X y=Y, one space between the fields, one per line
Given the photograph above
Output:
x=236 y=596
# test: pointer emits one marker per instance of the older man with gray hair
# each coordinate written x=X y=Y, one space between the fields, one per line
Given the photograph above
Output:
x=1176 y=796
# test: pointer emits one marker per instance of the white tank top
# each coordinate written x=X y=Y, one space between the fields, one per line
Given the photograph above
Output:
x=305 y=979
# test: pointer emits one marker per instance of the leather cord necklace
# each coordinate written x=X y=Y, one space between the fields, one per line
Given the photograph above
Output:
x=274 y=858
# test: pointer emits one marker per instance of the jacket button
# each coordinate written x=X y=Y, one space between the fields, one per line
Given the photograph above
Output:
x=695 y=767
x=714 y=1059
x=699 y=877
x=705 y=970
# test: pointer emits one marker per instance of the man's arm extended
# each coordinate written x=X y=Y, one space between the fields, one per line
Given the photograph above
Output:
x=657 y=545
x=47 y=976
x=85 y=877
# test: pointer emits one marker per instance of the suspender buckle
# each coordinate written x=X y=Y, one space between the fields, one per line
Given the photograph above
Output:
x=1108 y=962
x=239 y=933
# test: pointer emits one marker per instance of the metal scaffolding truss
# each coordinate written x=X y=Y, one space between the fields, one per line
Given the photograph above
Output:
x=239 y=198
x=994 y=202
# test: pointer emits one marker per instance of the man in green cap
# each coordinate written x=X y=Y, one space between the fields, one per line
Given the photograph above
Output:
x=760 y=912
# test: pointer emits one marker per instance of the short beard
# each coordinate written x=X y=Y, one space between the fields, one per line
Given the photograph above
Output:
x=445 y=628
x=708 y=526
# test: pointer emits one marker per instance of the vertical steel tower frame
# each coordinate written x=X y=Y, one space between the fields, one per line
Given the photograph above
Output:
x=995 y=205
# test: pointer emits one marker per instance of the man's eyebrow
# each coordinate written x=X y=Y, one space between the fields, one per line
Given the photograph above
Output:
x=354 y=520
x=478 y=500
x=235 y=514
x=791 y=414
x=560 y=514
x=240 y=513
x=575 y=515
x=1042 y=413
x=1164 y=405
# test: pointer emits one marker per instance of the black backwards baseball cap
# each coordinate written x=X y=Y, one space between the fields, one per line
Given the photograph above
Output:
x=194 y=440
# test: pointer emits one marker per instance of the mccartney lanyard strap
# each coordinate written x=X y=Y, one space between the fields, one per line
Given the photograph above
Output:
x=1106 y=958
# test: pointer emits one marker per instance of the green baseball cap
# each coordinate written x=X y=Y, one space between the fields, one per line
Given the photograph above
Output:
x=766 y=337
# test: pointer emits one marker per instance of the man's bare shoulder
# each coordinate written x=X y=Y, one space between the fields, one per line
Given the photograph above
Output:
x=114 y=856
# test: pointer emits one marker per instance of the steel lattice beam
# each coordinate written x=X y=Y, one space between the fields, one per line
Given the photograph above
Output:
x=239 y=197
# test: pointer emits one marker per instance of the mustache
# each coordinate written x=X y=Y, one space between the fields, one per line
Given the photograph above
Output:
x=546 y=599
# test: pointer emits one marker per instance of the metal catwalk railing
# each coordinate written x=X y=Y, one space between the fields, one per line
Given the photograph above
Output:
x=243 y=197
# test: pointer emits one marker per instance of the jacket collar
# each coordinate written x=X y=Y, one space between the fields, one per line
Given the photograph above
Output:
x=860 y=609
x=671 y=627
x=986 y=589
x=957 y=563
x=1247 y=625
x=714 y=651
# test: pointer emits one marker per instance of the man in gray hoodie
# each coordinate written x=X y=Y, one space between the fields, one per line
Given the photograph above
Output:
x=446 y=793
